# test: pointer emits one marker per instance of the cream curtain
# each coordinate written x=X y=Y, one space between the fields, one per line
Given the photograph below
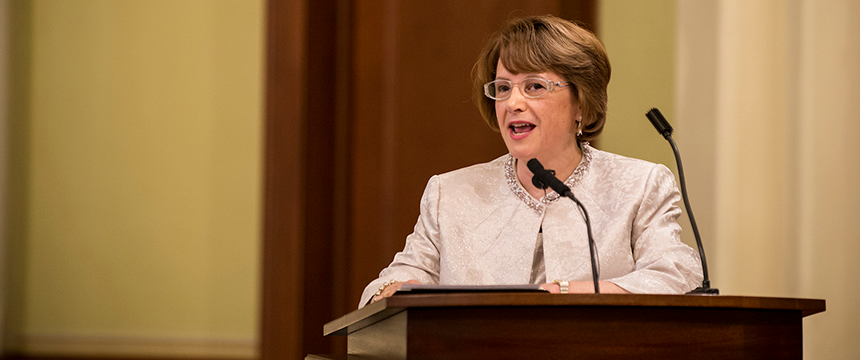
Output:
x=769 y=121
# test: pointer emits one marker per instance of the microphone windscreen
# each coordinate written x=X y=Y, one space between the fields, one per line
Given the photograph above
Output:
x=537 y=170
x=535 y=166
x=659 y=122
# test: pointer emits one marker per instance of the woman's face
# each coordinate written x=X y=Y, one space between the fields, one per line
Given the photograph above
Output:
x=542 y=128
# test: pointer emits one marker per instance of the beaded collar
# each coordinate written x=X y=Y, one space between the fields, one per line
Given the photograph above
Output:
x=539 y=205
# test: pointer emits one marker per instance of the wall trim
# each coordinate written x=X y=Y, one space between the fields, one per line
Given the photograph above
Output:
x=70 y=346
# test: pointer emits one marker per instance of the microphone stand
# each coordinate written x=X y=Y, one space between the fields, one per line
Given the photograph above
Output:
x=592 y=248
x=542 y=179
x=665 y=129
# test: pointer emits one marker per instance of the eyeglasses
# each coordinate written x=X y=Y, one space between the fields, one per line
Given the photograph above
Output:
x=529 y=87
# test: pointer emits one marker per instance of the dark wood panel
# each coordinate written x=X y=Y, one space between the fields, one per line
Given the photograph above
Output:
x=511 y=325
x=601 y=332
x=371 y=173
x=319 y=158
x=284 y=232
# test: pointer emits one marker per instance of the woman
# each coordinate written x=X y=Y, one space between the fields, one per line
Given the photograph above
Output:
x=541 y=82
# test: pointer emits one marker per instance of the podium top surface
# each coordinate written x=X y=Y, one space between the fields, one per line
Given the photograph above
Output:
x=390 y=306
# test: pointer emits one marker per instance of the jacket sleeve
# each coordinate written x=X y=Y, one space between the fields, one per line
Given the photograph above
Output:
x=663 y=264
x=419 y=259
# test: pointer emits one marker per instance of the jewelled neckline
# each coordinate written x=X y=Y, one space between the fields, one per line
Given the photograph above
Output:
x=539 y=205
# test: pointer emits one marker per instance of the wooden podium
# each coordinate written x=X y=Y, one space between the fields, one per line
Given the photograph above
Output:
x=539 y=326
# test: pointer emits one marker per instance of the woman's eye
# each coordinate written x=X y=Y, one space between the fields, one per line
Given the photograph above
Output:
x=501 y=88
x=535 y=86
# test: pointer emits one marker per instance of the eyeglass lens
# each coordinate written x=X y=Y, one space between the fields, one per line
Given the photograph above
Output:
x=533 y=87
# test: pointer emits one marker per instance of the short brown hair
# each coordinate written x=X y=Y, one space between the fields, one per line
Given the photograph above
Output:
x=548 y=43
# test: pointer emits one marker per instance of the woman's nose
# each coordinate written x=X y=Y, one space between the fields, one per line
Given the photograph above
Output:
x=516 y=102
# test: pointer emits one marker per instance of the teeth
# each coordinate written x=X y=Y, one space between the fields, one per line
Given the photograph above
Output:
x=520 y=128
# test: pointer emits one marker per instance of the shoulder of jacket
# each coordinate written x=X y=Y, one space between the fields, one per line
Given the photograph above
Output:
x=494 y=167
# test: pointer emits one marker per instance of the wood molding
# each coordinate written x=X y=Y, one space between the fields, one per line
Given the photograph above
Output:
x=82 y=357
x=125 y=347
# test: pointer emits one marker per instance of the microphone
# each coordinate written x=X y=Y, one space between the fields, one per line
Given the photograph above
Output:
x=665 y=129
x=660 y=123
x=543 y=178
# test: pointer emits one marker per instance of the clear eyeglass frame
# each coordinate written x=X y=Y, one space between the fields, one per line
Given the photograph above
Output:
x=528 y=89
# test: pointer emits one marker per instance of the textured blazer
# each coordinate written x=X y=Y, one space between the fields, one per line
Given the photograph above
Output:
x=478 y=226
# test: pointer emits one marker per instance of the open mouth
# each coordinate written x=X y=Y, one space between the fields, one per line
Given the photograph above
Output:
x=521 y=128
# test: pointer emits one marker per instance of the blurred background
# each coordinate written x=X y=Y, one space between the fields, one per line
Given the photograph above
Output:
x=218 y=179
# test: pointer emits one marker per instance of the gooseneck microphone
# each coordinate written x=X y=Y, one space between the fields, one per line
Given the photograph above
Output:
x=544 y=178
x=665 y=129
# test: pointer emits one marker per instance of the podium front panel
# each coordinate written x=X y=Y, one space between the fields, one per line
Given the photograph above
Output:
x=592 y=326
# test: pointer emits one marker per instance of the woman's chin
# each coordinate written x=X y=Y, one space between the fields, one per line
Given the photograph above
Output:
x=523 y=154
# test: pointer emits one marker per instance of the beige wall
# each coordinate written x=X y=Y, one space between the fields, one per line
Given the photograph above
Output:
x=765 y=103
x=640 y=39
x=142 y=195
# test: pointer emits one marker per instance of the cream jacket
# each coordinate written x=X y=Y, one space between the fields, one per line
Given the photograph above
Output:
x=478 y=226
